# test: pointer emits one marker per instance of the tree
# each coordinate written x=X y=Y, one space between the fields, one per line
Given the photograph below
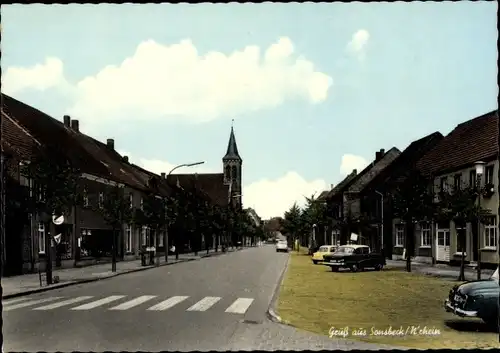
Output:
x=413 y=201
x=459 y=205
x=54 y=190
x=292 y=223
x=116 y=210
x=154 y=215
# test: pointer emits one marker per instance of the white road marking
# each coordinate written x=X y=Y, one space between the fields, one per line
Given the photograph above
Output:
x=29 y=303
x=99 y=302
x=204 y=304
x=167 y=304
x=133 y=302
x=63 y=303
x=240 y=306
x=12 y=301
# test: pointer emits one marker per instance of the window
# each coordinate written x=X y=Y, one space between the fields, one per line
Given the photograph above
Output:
x=488 y=175
x=144 y=236
x=443 y=185
x=400 y=234
x=234 y=172
x=335 y=237
x=142 y=204
x=160 y=240
x=472 y=178
x=101 y=199
x=41 y=238
x=461 y=237
x=425 y=235
x=457 y=181
x=131 y=200
x=128 y=238
x=85 y=198
x=490 y=232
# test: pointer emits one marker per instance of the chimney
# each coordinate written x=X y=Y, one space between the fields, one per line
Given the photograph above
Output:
x=125 y=159
x=75 y=125
x=163 y=176
x=67 y=120
x=382 y=152
x=377 y=156
x=331 y=186
x=355 y=171
x=110 y=143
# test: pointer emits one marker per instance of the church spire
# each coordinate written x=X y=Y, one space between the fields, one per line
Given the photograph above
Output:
x=232 y=148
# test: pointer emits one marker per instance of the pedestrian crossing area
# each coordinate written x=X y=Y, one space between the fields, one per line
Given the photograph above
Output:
x=123 y=303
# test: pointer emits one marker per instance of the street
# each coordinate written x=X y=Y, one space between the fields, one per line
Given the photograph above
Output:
x=217 y=303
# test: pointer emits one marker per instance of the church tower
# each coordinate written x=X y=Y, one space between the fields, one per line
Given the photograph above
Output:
x=232 y=164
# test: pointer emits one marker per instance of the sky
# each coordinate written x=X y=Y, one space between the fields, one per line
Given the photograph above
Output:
x=314 y=89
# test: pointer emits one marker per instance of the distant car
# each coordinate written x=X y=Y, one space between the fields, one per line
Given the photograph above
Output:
x=354 y=257
x=322 y=251
x=475 y=299
x=282 y=246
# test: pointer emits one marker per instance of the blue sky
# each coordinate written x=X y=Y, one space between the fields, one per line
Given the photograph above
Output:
x=339 y=82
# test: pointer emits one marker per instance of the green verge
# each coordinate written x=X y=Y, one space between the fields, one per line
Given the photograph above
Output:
x=314 y=298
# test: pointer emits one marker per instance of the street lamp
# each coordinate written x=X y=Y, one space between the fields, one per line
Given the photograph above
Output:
x=479 y=172
x=169 y=173
x=381 y=219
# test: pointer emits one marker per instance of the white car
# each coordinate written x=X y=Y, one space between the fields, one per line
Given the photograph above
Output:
x=282 y=245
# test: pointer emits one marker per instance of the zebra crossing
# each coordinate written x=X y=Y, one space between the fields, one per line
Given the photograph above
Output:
x=122 y=303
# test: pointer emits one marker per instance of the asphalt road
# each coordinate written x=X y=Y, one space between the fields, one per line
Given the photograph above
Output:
x=216 y=303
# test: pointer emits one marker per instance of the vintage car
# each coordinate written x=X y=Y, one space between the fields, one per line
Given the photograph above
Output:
x=282 y=246
x=323 y=250
x=477 y=299
x=355 y=258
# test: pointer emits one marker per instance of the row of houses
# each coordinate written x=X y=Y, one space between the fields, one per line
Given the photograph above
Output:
x=25 y=129
x=448 y=161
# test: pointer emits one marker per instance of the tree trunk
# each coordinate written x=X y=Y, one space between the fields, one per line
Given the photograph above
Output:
x=410 y=241
x=48 y=251
x=113 y=251
x=165 y=241
x=461 y=276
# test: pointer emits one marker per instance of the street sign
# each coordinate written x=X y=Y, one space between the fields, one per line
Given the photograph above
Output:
x=354 y=237
x=57 y=238
x=58 y=220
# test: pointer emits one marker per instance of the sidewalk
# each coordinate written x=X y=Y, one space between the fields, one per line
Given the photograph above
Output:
x=441 y=270
x=30 y=283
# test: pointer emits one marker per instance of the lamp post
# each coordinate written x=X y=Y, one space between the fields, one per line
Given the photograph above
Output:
x=169 y=173
x=381 y=219
x=479 y=173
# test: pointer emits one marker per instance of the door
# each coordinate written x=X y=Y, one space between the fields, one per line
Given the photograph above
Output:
x=443 y=245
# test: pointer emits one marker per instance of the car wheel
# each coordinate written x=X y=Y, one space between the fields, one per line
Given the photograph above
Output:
x=354 y=268
x=335 y=269
x=315 y=262
x=379 y=267
x=490 y=321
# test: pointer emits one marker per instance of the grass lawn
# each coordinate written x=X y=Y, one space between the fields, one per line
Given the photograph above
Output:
x=314 y=298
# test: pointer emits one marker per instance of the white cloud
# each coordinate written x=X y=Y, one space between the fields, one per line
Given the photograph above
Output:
x=39 y=76
x=271 y=198
x=357 y=45
x=350 y=162
x=178 y=82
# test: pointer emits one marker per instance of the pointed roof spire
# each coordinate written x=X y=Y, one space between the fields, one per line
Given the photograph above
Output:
x=232 y=148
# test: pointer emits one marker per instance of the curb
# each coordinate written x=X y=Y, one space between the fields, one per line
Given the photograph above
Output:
x=88 y=280
x=271 y=313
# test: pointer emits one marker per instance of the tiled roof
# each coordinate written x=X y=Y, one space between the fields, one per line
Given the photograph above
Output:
x=340 y=187
x=212 y=184
x=406 y=161
x=51 y=132
x=323 y=195
x=469 y=142
x=15 y=139
x=373 y=169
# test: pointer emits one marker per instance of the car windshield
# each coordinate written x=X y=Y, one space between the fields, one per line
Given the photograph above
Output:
x=345 y=250
x=323 y=249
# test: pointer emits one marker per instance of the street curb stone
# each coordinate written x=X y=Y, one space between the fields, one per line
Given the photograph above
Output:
x=88 y=280
x=271 y=313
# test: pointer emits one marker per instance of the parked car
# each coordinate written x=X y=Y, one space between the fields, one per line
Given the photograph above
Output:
x=318 y=256
x=282 y=246
x=354 y=257
x=475 y=299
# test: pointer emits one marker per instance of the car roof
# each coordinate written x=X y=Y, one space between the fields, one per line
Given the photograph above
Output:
x=356 y=246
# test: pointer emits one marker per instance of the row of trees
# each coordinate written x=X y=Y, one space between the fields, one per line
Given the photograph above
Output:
x=185 y=215
x=412 y=200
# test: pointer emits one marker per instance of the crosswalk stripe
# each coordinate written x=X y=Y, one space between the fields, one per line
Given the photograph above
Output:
x=204 y=304
x=99 y=302
x=240 y=306
x=63 y=303
x=134 y=302
x=30 y=303
x=12 y=301
x=166 y=304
